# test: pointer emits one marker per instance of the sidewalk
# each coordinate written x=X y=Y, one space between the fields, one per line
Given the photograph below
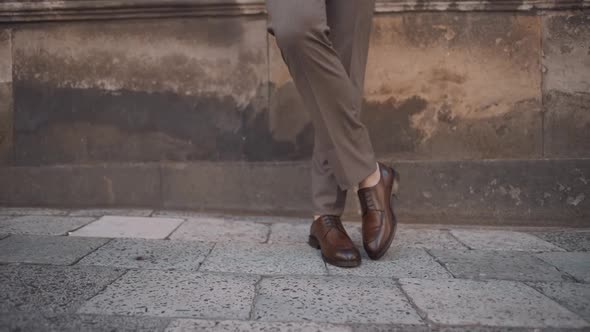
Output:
x=129 y=270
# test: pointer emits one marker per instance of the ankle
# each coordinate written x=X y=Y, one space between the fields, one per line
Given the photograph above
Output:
x=372 y=179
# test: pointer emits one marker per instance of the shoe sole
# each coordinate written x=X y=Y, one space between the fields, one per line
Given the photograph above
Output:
x=314 y=243
x=394 y=191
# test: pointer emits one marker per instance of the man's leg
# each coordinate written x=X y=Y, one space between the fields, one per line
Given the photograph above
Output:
x=302 y=33
x=350 y=24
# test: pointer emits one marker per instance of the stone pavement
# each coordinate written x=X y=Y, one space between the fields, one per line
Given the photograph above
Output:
x=129 y=270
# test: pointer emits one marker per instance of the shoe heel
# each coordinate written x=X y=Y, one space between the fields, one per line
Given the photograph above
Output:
x=312 y=241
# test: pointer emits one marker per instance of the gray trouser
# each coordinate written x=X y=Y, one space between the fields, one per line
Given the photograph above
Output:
x=324 y=43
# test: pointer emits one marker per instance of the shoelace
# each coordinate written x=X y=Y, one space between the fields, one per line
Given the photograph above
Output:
x=333 y=221
x=369 y=201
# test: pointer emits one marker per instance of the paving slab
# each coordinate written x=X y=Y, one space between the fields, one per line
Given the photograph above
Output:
x=479 y=328
x=111 y=212
x=175 y=294
x=45 y=289
x=575 y=297
x=130 y=227
x=570 y=240
x=502 y=240
x=298 y=232
x=490 y=303
x=26 y=211
x=221 y=230
x=58 y=250
x=236 y=326
x=469 y=328
x=508 y=265
x=150 y=254
x=77 y=323
x=270 y=219
x=398 y=263
x=406 y=237
x=333 y=300
x=426 y=238
x=183 y=214
x=42 y=225
x=265 y=259
x=577 y=264
x=391 y=328
x=284 y=232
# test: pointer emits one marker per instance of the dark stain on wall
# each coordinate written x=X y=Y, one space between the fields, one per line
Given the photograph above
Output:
x=6 y=121
x=69 y=125
x=389 y=125
x=63 y=125
x=514 y=134
x=567 y=124
x=260 y=145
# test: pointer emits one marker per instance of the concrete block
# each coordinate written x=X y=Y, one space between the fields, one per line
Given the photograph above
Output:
x=568 y=240
x=565 y=46
x=175 y=294
x=265 y=259
x=488 y=303
x=5 y=56
x=508 y=265
x=111 y=212
x=25 y=211
x=220 y=230
x=495 y=192
x=81 y=185
x=57 y=250
x=6 y=122
x=150 y=254
x=575 y=297
x=42 y=225
x=577 y=264
x=239 y=187
x=6 y=100
x=180 y=325
x=398 y=262
x=566 y=124
x=566 y=39
x=64 y=288
x=502 y=240
x=490 y=192
x=130 y=227
x=333 y=300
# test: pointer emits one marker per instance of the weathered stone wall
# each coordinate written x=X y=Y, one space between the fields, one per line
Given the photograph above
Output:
x=448 y=84
x=173 y=89
x=6 y=108
x=439 y=86
x=566 y=85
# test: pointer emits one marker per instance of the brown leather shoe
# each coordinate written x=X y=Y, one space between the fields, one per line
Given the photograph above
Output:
x=328 y=234
x=379 y=223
